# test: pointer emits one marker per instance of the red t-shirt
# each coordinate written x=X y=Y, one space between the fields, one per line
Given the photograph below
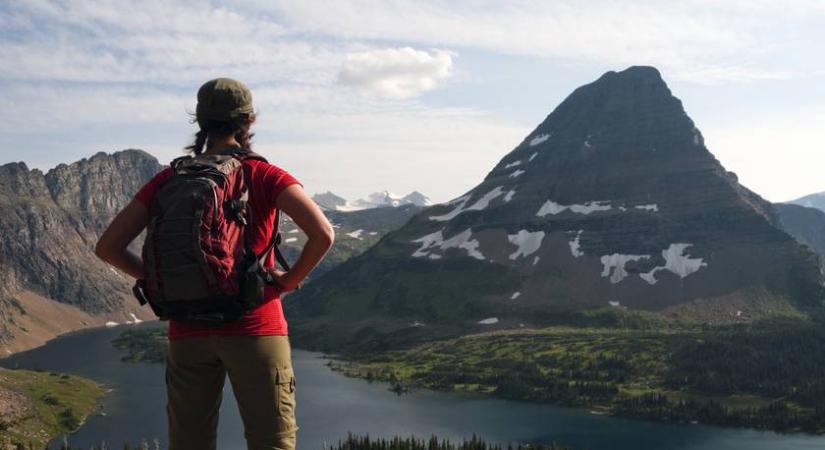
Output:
x=266 y=183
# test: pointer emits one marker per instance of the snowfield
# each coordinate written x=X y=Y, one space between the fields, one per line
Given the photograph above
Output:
x=479 y=205
x=676 y=262
x=614 y=265
x=553 y=208
x=575 y=245
x=435 y=241
x=526 y=241
x=539 y=139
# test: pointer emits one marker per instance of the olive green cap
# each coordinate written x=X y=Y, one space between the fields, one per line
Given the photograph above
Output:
x=224 y=100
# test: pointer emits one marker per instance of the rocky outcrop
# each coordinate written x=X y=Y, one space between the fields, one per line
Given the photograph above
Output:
x=612 y=201
x=51 y=222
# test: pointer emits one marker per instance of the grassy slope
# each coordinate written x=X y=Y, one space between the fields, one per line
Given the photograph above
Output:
x=763 y=376
x=48 y=405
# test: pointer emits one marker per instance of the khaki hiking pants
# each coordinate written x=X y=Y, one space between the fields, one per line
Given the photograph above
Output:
x=260 y=370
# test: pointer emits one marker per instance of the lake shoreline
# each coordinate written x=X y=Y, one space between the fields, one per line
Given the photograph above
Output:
x=332 y=405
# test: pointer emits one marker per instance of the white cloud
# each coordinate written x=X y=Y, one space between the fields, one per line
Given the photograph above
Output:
x=396 y=73
x=154 y=41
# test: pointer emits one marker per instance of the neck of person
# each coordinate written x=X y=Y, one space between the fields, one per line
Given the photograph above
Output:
x=221 y=143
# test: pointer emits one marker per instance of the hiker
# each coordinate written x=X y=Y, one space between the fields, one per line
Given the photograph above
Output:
x=213 y=274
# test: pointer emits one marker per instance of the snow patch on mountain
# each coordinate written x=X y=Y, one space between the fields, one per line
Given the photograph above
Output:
x=516 y=174
x=539 y=139
x=614 y=265
x=677 y=262
x=509 y=195
x=533 y=156
x=479 y=205
x=434 y=241
x=515 y=295
x=575 y=245
x=651 y=207
x=488 y=321
x=355 y=234
x=512 y=164
x=526 y=241
x=551 y=207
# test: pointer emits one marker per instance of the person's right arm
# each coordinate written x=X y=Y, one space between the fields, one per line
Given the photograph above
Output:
x=294 y=202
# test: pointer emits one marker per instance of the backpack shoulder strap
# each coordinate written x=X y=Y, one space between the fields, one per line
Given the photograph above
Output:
x=242 y=154
x=273 y=245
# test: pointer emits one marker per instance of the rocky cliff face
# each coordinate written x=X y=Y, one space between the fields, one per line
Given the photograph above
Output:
x=612 y=201
x=50 y=223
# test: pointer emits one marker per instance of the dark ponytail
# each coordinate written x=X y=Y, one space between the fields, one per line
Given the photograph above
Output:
x=216 y=128
x=200 y=141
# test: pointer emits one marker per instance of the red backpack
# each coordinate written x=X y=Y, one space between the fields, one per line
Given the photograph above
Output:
x=196 y=256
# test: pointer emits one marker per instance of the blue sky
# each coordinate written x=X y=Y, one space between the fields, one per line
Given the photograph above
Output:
x=359 y=96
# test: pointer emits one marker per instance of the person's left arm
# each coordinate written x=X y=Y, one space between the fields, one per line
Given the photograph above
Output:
x=112 y=247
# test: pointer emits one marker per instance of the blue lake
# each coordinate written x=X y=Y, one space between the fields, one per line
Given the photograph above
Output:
x=331 y=405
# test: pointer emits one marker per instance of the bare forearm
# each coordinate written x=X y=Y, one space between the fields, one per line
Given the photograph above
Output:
x=127 y=262
x=312 y=254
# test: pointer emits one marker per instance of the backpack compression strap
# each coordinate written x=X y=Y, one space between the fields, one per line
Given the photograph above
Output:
x=242 y=154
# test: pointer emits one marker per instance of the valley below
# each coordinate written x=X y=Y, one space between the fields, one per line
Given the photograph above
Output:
x=765 y=375
x=331 y=406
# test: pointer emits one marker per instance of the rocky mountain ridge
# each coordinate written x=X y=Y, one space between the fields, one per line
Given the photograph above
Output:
x=50 y=224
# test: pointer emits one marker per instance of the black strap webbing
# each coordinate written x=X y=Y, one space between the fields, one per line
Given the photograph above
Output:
x=273 y=245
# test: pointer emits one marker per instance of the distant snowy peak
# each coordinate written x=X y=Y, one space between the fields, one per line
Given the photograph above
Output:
x=382 y=199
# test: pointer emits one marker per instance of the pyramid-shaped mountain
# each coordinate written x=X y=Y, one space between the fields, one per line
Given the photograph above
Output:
x=613 y=200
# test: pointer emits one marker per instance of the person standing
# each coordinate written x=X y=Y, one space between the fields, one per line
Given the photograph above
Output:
x=252 y=349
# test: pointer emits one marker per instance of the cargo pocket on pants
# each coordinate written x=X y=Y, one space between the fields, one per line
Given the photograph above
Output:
x=286 y=401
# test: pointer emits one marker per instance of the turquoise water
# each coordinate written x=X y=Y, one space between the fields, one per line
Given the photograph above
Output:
x=331 y=405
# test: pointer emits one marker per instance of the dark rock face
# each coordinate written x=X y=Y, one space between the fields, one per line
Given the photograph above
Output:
x=50 y=223
x=612 y=200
